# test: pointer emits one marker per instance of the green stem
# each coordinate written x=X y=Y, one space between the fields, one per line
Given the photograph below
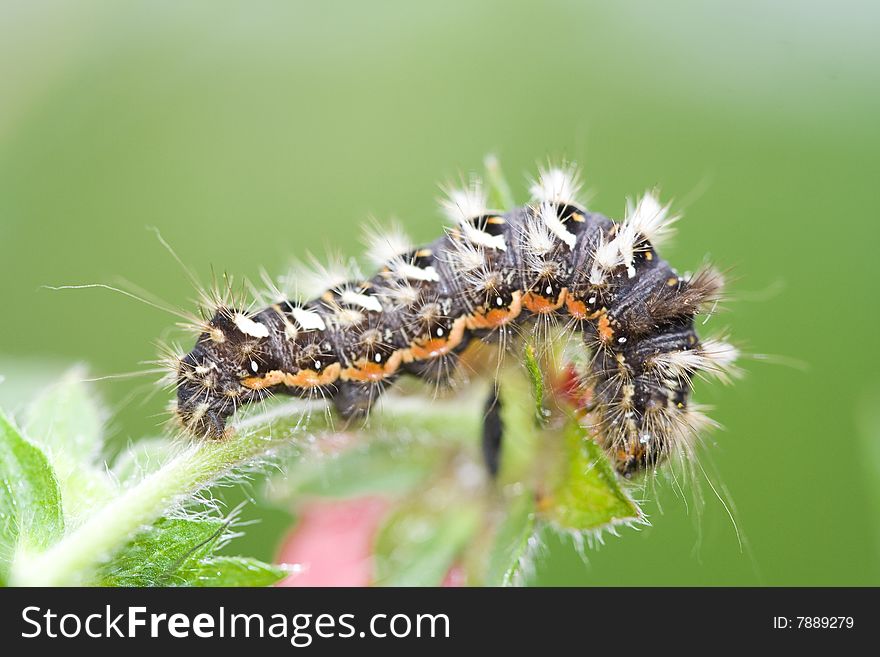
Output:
x=74 y=558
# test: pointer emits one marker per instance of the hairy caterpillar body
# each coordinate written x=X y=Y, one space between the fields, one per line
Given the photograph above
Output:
x=491 y=270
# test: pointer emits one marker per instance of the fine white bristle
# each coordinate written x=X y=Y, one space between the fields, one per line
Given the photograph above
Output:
x=271 y=291
x=713 y=356
x=551 y=219
x=344 y=317
x=463 y=205
x=676 y=363
x=720 y=358
x=315 y=278
x=557 y=185
x=400 y=293
x=649 y=218
x=464 y=256
x=384 y=245
x=605 y=258
x=539 y=236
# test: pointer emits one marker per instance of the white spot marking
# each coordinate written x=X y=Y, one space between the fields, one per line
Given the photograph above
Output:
x=249 y=327
x=414 y=273
x=554 y=223
x=477 y=236
x=363 y=300
x=310 y=321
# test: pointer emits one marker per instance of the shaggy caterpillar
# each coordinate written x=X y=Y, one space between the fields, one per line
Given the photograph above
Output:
x=425 y=305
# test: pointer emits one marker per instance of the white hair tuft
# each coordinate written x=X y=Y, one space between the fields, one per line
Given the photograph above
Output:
x=557 y=185
x=463 y=205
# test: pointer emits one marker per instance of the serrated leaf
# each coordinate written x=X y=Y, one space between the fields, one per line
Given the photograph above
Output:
x=66 y=421
x=31 y=516
x=376 y=468
x=419 y=542
x=158 y=556
x=587 y=495
x=510 y=551
x=231 y=571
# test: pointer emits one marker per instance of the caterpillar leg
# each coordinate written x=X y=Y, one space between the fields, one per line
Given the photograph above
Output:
x=493 y=432
x=354 y=399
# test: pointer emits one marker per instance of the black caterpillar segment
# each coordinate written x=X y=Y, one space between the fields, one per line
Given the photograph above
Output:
x=491 y=270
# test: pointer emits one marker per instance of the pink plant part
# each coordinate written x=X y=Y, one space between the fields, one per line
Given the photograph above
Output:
x=333 y=542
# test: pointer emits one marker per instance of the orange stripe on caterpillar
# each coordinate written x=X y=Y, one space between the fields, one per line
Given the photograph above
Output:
x=434 y=347
x=369 y=371
x=305 y=378
x=605 y=330
x=490 y=318
x=543 y=305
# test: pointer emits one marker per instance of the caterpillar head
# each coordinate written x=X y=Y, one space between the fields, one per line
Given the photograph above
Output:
x=209 y=378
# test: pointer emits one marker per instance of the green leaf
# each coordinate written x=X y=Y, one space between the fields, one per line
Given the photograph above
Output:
x=510 y=552
x=379 y=467
x=179 y=552
x=163 y=554
x=66 y=417
x=231 y=571
x=22 y=379
x=419 y=543
x=31 y=517
x=587 y=494
x=66 y=421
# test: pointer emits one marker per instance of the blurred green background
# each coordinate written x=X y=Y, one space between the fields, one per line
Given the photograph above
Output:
x=251 y=133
